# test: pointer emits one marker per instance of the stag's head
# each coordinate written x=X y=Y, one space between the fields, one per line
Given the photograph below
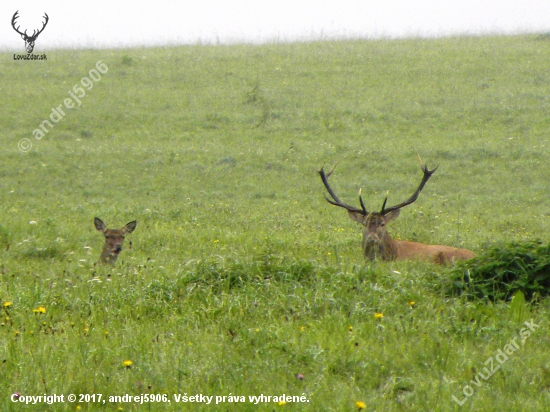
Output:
x=29 y=40
x=377 y=242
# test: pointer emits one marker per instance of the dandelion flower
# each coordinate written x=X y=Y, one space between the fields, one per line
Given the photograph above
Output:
x=7 y=304
x=350 y=328
x=378 y=315
x=281 y=403
x=40 y=309
x=360 y=405
x=411 y=303
x=128 y=363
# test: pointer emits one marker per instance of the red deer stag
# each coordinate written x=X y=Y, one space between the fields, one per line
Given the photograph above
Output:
x=377 y=241
x=114 y=238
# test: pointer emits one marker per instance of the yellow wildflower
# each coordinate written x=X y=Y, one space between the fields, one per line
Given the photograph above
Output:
x=360 y=405
x=378 y=315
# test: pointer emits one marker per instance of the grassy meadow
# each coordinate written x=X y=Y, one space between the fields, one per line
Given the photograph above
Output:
x=240 y=279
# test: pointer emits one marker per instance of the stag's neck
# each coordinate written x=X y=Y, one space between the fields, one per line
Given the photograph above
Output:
x=384 y=249
x=389 y=248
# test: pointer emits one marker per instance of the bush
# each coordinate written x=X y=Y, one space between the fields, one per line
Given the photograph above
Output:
x=505 y=269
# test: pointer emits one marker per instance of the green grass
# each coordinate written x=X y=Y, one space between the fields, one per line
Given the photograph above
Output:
x=240 y=275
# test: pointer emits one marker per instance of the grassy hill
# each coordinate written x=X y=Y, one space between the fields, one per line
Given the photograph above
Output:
x=240 y=279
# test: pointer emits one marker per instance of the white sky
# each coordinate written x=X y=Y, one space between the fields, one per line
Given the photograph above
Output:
x=125 y=23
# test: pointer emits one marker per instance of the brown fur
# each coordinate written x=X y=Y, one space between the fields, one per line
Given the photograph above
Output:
x=114 y=238
x=378 y=243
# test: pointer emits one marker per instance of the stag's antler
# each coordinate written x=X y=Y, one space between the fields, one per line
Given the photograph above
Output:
x=336 y=201
x=427 y=174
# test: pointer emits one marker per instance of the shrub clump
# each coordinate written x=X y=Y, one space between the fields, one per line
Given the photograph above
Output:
x=503 y=270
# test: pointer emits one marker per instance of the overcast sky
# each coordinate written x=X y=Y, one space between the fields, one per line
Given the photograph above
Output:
x=125 y=23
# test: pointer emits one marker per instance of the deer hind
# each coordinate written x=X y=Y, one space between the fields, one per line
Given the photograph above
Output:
x=29 y=40
x=114 y=238
x=377 y=241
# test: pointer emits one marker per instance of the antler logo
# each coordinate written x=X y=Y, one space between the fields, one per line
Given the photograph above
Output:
x=29 y=40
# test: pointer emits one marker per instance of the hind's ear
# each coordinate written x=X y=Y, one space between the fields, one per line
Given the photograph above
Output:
x=130 y=227
x=99 y=225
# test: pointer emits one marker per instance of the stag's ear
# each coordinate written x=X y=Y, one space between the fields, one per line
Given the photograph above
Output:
x=358 y=217
x=129 y=228
x=99 y=225
x=392 y=216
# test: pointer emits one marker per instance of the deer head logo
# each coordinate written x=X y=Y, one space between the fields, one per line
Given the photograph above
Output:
x=29 y=40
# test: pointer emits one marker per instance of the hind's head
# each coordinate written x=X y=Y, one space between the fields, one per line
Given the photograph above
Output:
x=114 y=239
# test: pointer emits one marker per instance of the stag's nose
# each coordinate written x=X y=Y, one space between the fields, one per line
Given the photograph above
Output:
x=373 y=237
x=118 y=249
